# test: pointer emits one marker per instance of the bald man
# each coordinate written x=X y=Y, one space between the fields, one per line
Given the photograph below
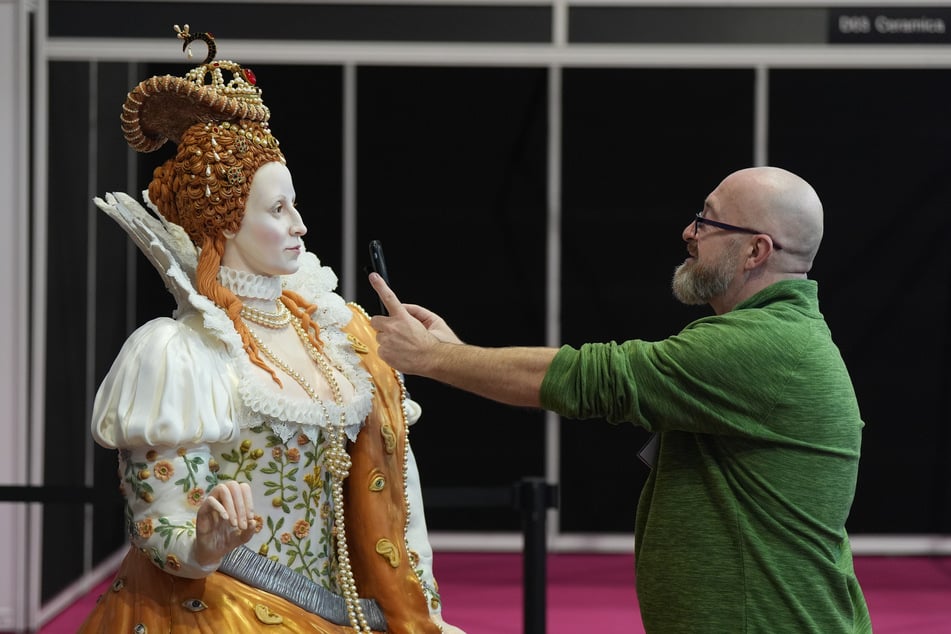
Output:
x=741 y=525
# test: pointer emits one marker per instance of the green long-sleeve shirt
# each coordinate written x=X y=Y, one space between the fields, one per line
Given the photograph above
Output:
x=741 y=525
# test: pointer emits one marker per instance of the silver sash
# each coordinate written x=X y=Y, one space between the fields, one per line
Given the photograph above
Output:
x=260 y=572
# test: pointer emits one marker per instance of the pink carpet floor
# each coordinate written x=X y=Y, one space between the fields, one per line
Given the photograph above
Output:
x=482 y=594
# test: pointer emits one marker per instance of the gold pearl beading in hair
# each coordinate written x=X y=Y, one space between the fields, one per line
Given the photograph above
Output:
x=338 y=463
x=243 y=138
x=243 y=135
x=275 y=320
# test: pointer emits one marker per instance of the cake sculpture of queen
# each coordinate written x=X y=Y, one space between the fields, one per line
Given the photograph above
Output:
x=263 y=446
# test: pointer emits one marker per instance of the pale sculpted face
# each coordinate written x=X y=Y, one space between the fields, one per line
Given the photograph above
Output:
x=269 y=240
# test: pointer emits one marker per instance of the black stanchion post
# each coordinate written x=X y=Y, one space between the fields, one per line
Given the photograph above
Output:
x=533 y=498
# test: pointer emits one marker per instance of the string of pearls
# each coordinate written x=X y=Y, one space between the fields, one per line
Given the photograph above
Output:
x=339 y=466
x=338 y=463
x=278 y=319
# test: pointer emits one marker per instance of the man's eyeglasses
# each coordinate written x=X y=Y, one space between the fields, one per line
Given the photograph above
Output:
x=699 y=220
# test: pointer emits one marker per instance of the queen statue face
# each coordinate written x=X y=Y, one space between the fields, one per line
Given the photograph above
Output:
x=269 y=239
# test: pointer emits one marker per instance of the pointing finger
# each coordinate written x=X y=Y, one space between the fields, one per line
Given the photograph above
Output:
x=387 y=296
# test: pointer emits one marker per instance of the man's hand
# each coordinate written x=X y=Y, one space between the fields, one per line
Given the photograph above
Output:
x=409 y=333
x=433 y=323
x=225 y=521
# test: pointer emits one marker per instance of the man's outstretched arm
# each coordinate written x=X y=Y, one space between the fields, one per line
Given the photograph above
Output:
x=417 y=341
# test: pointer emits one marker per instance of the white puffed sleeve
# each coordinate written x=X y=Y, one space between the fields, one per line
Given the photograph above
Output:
x=169 y=394
x=170 y=385
x=413 y=411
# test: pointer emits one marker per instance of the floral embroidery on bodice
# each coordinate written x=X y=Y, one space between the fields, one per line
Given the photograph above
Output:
x=291 y=491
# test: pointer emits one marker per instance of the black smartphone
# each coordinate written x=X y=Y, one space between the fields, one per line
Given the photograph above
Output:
x=378 y=264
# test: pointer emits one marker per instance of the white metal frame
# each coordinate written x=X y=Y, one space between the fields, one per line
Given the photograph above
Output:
x=554 y=57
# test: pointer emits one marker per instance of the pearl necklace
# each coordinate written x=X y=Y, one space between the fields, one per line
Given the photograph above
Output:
x=269 y=320
x=338 y=461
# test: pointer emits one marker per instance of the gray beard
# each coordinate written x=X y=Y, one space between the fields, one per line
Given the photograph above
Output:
x=695 y=284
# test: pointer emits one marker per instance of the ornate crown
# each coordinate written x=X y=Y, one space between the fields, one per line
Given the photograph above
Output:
x=161 y=108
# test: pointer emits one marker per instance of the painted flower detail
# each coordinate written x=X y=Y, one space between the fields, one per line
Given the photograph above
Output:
x=144 y=528
x=258 y=525
x=171 y=561
x=324 y=511
x=163 y=470
x=195 y=496
x=301 y=529
x=293 y=454
x=302 y=439
x=151 y=455
x=285 y=538
x=276 y=453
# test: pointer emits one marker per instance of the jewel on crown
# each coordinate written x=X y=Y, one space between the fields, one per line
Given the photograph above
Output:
x=241 y=86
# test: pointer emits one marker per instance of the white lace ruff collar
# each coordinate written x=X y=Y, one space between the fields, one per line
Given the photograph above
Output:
x=249 y=285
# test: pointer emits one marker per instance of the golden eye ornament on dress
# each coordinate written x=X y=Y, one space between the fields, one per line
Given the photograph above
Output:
x=194 y=605
x=377 y=480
